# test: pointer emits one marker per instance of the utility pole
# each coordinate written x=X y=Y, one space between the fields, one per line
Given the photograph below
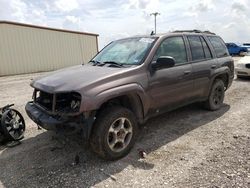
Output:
x=155 y=14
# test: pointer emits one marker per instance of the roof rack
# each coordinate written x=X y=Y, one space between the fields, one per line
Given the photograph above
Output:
x=193 y=31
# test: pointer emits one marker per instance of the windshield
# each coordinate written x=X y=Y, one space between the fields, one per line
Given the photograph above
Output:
x=126 y=51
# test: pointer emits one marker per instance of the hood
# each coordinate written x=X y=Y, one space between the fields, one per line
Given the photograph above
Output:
x=244 y=60
x=74 y=78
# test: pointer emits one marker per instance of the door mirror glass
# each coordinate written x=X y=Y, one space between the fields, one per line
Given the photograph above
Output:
x=163 y=62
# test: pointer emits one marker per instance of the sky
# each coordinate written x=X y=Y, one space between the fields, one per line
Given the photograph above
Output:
x=114 y=19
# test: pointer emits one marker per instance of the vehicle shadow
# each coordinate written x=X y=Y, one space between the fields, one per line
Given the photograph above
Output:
x=49 y=160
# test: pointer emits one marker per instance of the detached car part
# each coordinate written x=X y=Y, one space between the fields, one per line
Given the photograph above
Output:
x=12 y=124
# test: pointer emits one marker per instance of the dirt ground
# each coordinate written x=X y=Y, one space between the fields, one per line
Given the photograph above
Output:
x=189 y=147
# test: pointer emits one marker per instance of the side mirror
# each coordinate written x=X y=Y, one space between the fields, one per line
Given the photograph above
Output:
x=163 y=62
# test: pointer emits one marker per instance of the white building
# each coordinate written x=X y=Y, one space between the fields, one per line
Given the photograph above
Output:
x=27 y=48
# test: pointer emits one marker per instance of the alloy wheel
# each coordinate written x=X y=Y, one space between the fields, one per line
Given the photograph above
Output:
x=119 y=134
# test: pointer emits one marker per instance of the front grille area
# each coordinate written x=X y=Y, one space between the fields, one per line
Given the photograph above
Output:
x=59 y=102
x=248 y=65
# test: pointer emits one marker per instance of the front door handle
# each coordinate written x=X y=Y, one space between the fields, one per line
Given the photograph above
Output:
x=187 y=72
x=213 y=66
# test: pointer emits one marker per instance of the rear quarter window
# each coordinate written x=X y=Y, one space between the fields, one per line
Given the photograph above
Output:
x=219 y=46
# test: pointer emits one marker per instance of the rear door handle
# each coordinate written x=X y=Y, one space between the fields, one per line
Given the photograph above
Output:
x=213 y=66
x=187 y=72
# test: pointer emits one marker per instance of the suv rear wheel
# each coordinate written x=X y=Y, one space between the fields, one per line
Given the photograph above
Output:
x=216 y=96
x=114 y=133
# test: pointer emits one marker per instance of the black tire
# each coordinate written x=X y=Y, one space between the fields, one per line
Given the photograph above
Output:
x=100 y=136
x=216 y=96
x=1 y=137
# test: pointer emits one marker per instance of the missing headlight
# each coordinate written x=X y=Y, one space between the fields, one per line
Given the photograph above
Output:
x=44 y=99
x=68 y=102
x=75 y=104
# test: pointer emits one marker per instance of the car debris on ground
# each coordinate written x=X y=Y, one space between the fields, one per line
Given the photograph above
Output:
x=12 y=126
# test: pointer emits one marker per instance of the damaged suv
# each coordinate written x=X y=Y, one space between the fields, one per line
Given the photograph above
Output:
x=130 y=81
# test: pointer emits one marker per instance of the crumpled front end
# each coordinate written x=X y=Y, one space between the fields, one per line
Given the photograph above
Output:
x=64 y=104
x=58 y=111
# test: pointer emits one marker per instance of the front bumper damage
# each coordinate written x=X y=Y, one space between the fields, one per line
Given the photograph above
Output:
x=59 y=123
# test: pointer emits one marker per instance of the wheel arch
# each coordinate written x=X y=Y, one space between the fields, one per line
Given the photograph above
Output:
x=224 y=76
x=131 y=96
x=132 y=101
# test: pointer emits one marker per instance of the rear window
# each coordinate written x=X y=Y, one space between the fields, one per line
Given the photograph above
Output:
x=219 y=46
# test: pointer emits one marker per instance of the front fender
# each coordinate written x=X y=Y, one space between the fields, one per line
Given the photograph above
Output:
x=95 y=102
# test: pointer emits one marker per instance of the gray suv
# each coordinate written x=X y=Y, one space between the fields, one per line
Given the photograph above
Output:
x=130 y=81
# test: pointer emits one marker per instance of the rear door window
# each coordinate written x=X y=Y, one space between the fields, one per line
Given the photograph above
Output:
x=196 y=48
x=219 y=46
x=206 y=49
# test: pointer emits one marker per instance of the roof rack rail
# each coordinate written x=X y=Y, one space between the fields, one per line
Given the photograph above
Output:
x=193 y=31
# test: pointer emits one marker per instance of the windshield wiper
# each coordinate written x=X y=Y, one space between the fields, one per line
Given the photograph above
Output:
x=113 y=63
x=95 y=62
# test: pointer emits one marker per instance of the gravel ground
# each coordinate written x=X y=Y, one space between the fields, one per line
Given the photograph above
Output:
x=189 y=147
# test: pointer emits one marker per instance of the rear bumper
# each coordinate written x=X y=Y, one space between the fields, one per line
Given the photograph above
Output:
x=50 y=122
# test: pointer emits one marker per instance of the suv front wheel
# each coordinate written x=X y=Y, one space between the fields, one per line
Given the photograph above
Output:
x=216 y=96
x=114 y=133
